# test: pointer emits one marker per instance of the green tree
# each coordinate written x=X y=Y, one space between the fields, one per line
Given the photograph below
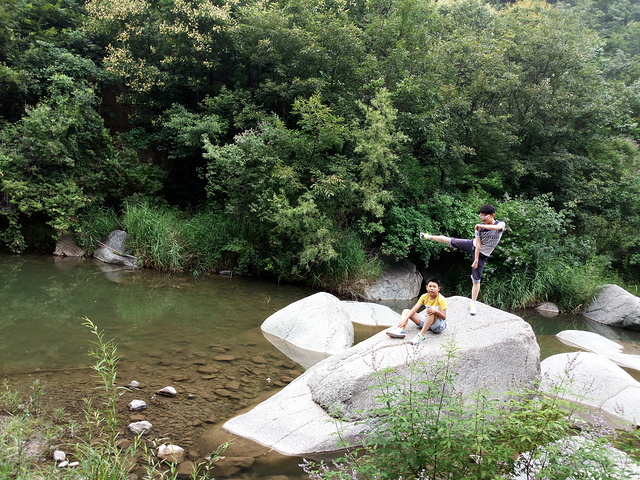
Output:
x=58 y=158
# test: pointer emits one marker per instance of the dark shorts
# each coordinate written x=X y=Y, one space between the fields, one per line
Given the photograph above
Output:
x=468 y=246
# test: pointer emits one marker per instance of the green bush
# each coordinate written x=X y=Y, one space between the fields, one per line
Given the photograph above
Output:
x=94 y=224
x=353 y=269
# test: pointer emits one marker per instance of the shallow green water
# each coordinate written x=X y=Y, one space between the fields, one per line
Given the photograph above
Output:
x=170 y=330
x=44 y=300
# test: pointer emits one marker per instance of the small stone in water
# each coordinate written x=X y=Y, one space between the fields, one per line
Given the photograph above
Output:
x=171 y=453
x=134 y=384
x=137 y=405
x=167 y=392
x=140 y=428
x=224 y=358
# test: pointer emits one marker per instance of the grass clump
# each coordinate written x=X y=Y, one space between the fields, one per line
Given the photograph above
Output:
x=423 y=428
x=155 y=235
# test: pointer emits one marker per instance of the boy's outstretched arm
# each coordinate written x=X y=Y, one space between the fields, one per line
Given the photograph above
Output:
x=482 y=226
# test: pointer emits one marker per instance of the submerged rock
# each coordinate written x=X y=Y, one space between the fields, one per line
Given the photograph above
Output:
x=171 y=453
x=592 y=342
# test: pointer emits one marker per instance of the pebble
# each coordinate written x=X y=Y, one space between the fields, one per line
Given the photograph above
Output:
x=224 y=358
x=137 y=405
x=59 y=456
x=167 y=392
x=208 y=369
x=140 y=428
x=233 y=385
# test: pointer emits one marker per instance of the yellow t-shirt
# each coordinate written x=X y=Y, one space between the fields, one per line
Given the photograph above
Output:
x=439 y=301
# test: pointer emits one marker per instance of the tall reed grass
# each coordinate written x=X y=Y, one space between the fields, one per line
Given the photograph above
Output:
x=570 y=286
x=156 y=236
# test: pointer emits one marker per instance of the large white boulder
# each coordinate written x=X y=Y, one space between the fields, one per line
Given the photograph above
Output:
x=616 y=307
x=310 y=329
x=496 y=350
x=595 y=382
x=592 y=342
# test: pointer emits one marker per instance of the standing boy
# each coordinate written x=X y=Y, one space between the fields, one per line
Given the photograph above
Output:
x=433 y=318
x=487 y=236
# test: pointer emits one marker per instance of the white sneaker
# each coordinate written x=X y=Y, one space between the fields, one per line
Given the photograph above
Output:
x=472 y=309
x=396 y=332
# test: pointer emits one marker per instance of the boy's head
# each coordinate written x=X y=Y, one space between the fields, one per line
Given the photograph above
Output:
x=487 y=209
x=433 y=286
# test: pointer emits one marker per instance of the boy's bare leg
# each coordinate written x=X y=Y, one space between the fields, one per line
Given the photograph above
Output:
x=474 y=291
x=415 y=318
x=431 y=318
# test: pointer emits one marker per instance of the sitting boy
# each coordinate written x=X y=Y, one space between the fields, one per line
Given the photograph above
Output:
x=433 y=318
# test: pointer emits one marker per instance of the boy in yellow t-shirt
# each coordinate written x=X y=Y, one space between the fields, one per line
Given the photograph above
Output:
x=432 y=318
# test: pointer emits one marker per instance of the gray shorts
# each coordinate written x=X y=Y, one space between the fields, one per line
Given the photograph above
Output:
x=438 y=326
x=469 y=246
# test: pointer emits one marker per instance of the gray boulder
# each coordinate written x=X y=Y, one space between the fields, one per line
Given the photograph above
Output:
x=592 y=342
x=548 y=309
x=310 y=329
x=399 y=281
x=66 y=246
x=616 y=307
x=496 y=350
x=596 y=382
x=114 y=250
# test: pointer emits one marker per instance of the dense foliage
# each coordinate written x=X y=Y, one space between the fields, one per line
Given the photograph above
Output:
x=291 y=137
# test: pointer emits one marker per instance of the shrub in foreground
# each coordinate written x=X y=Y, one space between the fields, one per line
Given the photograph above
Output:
x=423 y=429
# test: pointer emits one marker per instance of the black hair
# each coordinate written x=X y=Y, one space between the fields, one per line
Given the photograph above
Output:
x=488 y=209
x=434 y=280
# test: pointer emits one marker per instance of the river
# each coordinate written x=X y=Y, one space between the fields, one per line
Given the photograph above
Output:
x=200 y=335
